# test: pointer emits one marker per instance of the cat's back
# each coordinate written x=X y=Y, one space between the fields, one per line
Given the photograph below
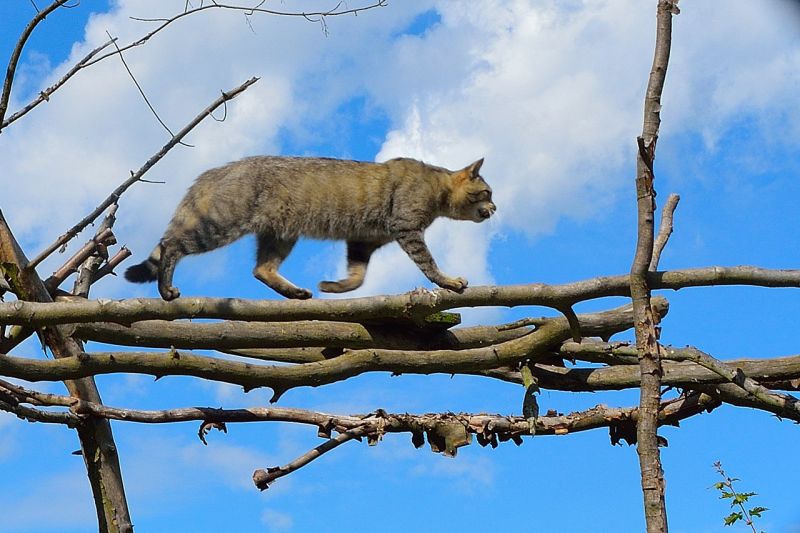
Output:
x=320 y=197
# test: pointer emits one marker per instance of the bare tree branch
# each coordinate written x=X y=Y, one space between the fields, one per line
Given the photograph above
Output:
x=137 y=176
x=411 y=305
x=11 y=69
x=349 y=364
x=645 y=323
x=104 y=239
x=733 y=394
x=375 y=423
x=262 y=478
x=301 y=334
x=445 y=432
x=44 y=96
x=88 y=270
x=30 y=414
x=97 y=441
x=677 y=372
x=783 y=404
x=215 y=5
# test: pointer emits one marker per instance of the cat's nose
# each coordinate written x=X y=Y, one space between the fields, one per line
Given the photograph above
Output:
x=486 y=212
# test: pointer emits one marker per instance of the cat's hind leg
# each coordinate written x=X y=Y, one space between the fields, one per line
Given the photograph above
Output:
x=170 y=253
x=358 y=254
x=271 y=253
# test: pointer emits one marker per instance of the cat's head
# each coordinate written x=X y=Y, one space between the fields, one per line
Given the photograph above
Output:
x=470 y=195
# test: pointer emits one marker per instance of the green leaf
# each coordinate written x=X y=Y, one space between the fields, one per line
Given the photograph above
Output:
x=726 y=494
x=733 y=518
x=719 y=485
x=527 y=378
x=756 y=511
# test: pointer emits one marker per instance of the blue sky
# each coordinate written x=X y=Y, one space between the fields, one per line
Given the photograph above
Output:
x=551 y=94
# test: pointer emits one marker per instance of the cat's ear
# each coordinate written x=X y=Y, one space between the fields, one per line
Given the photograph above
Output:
x=474 y=170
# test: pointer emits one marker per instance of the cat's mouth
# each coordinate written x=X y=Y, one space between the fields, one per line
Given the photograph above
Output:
x=486 y=212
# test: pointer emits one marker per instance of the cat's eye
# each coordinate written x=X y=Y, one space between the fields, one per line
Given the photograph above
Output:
x=480 y=196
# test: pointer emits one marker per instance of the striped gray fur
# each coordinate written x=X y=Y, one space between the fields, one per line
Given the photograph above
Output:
x=280 y=199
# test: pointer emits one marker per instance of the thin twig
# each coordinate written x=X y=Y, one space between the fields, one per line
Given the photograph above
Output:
x=44 y=96
x=87 y=274
x=262 y=478
x=113 y=262
x=136 y=176
x=664 y=229
x=167 y=21
x=139 y=87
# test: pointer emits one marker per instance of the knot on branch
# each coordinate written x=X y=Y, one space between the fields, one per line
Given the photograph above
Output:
x=262 y=478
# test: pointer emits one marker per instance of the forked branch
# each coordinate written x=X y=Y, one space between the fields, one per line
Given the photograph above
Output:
x=137 y=176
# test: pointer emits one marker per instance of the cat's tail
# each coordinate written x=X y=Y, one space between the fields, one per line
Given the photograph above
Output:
x=145 y=271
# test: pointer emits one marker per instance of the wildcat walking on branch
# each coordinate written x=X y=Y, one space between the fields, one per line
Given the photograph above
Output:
x=280 y=199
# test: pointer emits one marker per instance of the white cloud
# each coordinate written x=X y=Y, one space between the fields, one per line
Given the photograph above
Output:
x=24 y=509
x=469 y=473
x=229 y=463
x=276 y=520
x=549 y=92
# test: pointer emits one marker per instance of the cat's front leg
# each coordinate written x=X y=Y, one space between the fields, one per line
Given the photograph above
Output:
x=413 y=243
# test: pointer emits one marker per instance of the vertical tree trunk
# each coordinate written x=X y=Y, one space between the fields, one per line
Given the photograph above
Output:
x=97 y=441
x=644 y=323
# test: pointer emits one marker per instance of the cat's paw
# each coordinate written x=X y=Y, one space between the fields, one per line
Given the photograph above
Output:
x=454 y=284
x=169 y=293
x=332 y=286
x=296 y=293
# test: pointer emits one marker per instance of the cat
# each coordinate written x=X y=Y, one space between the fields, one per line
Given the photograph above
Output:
x=280 y=199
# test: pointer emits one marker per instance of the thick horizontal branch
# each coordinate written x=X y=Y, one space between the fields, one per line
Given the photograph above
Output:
x=738 y=372
x=445 y=432
x=237 y=335
x=415 y=304
x=684 y=375
x=30 y=414
x=353 y=363
x=375 y=424
x=783 y=404
x=733 y=394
